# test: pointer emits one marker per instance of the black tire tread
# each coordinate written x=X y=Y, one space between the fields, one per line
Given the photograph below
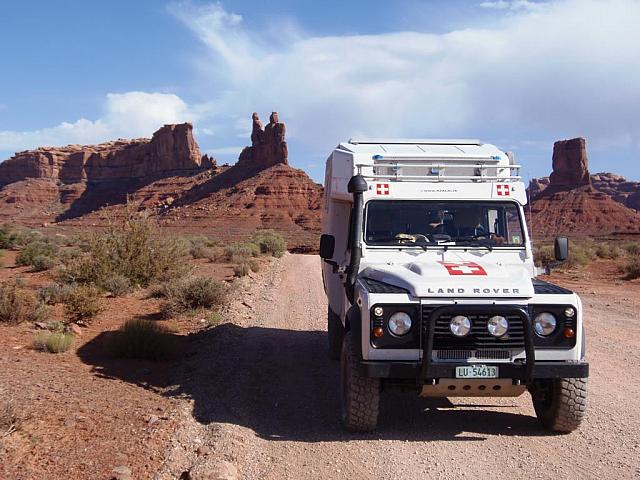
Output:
x=568 y=406
x=362 y=398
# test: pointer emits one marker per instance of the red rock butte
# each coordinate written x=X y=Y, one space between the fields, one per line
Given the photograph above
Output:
x=167 y=176
x=573 y=202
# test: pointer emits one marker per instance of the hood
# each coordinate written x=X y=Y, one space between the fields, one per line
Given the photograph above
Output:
x=456 y=278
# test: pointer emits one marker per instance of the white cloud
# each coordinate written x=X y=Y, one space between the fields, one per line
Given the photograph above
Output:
x=548 y=70
x=513 y=5
x=126 y=115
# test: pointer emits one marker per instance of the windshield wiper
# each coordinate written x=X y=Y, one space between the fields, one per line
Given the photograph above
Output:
x=476 y=243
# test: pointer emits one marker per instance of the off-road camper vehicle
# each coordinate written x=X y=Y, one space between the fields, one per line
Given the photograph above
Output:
x=429 y=273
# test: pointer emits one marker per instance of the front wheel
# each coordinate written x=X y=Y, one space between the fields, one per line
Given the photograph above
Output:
x=360 y=395
x=560 y=404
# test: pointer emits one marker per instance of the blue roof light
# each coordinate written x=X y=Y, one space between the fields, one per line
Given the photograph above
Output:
x=378 y=157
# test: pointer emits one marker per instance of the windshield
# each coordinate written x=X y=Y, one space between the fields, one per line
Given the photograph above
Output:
x=425 y=222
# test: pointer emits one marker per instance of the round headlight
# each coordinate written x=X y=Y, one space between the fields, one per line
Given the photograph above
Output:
x=569 y=312
x=498 y=326
x=460 y=326
x=400 y=323
x=544 y=324
x=378 y=311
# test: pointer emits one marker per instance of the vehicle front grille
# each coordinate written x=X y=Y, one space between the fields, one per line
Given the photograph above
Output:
x=469 y=354
x=479 y=339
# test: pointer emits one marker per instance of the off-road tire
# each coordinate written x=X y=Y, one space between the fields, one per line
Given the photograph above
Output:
x=335 y=334
x=360 y=396
x=560 y=404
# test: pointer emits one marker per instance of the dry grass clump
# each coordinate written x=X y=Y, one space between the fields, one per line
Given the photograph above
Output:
x=142 y=339
x=607 y=251
x=55 y=293
x=53 y=342
x=18 y=305
x=8 y=414
x=8 y=237
x=201 y=246
x=543 y=255
x=632 y=268
x=632 y=248
x=83 y=303
x=241 y=269
x=192 y=293
x=116 y=284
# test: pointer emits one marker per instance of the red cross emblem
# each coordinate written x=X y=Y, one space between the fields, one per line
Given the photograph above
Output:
x=464 y=268
x=382 y=189
x=503 y=190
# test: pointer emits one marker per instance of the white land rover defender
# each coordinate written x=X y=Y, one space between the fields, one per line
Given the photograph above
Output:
x=429 y=273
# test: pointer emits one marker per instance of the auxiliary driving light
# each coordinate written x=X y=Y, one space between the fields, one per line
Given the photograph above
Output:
x=400 y=323
x=569 y=312
x=378 y=311
x=498 y=326
x=460 y=325
x=544 y=324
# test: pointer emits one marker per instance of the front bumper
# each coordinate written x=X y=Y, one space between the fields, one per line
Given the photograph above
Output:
x=407 y=370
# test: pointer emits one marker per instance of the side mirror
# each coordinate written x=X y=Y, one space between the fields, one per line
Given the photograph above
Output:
x=327 y=246
x=561 y=249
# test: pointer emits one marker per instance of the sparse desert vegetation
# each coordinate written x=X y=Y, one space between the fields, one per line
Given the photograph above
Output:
x=18 y=305
x=142 y=339
x=53 y=342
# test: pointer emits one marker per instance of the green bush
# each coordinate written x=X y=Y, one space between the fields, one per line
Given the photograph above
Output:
x=132 y=247
x=606 y=251
x=214 y=319
x=36 y=249
x=270 y=242
x=42 y=263
x=632 y=268
x=239 y=252
x=241 y=270
x=580 y=255
x=8 y=237
x=142 y=339
x=192 y=293
x=18 y=305
x=55 y=293
x=632 y=248
x=53 y=342
x=83 y=303
x=116 y=284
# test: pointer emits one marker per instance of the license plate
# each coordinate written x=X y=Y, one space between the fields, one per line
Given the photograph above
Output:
x=477 y=371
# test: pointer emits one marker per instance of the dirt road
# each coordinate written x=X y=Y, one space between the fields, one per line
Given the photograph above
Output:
x=268 y=397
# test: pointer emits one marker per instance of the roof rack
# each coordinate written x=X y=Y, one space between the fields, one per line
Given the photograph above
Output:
x=414 y=141
x=412 y=169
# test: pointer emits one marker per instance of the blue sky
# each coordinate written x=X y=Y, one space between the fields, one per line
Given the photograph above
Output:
x=517 y=73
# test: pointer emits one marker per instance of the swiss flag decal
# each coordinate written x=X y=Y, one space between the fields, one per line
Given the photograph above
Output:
x=463 y=268
x=382 y=189
x=503 y=190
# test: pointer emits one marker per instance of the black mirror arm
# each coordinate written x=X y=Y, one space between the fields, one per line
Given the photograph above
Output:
x=336 y=268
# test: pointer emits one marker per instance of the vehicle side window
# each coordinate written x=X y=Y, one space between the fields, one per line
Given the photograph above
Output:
x=514 y=228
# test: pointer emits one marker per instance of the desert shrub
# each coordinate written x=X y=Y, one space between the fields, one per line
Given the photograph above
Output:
x=270 y=242
x=18 y=305
x=632 y=248
x=214 y=319
x=35 y=249
x=8 y=237
x=42 y=263
x=580 y=255
x=116 y=284
x=241 y=269
x=25 y=237
x=193 y=293
x=632 y=268
x=142 y=339
x=543 y=255
x=8 y=414
x=131 y=247
x=254 y=264
x=55 y=293
x=240 y=251
x=83 y=303
x=198 y=250
x=69 y=254
x=53 y=342
x=1 y=255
